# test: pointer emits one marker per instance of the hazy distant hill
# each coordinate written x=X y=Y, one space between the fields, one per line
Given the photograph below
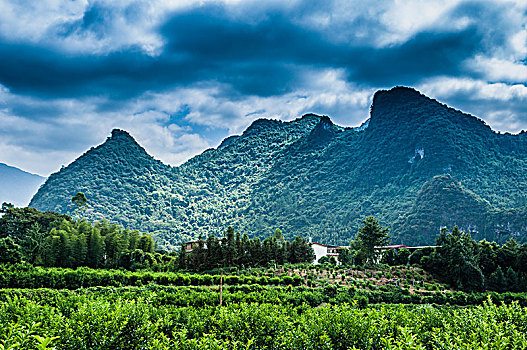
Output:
x=417 y=165
x=17 y=186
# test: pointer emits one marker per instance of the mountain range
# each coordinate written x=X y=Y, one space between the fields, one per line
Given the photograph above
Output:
x=416 y=165
x=17 y=186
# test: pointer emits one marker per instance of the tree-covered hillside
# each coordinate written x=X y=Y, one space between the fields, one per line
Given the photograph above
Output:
x=417 y=166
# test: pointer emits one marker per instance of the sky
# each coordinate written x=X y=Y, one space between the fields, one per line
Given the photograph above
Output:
x=182 y=75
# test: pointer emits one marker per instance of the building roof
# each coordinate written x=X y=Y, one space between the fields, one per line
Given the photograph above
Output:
x=399 y=246
x=328 y=245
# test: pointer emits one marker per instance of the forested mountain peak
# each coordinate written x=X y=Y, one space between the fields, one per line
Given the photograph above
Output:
x=121 y=135
x=121 y=140
x=306 y=122
x=404 y=107
x=312 y=178
x=397 y=94
x=260 y=125
x=106 y=174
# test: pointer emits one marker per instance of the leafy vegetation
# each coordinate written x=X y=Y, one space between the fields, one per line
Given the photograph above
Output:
x=470 y=265
x=152 y=318
x=369 y=236
x=275 y=305
x=52 y=239
x=418 y=166
x=234 y=250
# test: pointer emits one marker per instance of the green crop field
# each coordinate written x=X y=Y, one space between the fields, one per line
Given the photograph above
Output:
x=146 y=310
x=159 y=317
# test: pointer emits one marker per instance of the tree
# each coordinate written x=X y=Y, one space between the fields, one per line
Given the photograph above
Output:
x=198 y=255
x=16 y=222
x=214 y=253
x=10 y=252
x=344 y=256
x=183 y=257
x=330 y=260
x=245 y=253
x=369 y=236
x=487 y=256
x=507 y=253
x=300 y=251
x=511 y=279
x=80 y=201
x=146 y=244
x=32 y=242
x=80 y=249
x=497 y=281
x=455 y=259
x=229 y=247
x=95 y=253
x=136 y=260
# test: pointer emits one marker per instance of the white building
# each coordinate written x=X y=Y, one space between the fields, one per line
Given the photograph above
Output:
x=324 y=250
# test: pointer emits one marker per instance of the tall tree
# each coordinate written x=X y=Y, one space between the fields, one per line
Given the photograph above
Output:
x=300 y=251
x=32 y=242
x=486 y=256
x=457 y=258
x=344 y=256
x=95 y=254
x=369 y=236
x=229 y=247
x=183 y=256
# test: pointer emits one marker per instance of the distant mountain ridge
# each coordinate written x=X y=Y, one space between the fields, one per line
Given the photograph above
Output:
x=313 y=178
x=17 y=186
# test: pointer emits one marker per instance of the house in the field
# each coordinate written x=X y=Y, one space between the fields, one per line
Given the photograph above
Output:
x=332 y=250
x=324 y=250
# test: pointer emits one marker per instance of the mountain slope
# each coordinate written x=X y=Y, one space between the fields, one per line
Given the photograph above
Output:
x=17 y=186
x=120 y=180
x=444 y=202
x=313 y=178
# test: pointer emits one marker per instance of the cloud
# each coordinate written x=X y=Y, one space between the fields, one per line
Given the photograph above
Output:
x=181 y=75
x=130 y=47
x=266 y=56
x=496 y=69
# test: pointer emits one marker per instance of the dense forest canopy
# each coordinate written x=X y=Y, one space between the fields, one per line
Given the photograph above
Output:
x=417 y=166
x=53 y=239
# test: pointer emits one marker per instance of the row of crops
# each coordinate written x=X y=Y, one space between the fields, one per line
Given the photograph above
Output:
x=61 y=308
x=154 y=318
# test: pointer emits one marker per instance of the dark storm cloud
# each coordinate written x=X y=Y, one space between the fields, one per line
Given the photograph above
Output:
x=265 y=56
x=426 y=54
x=183 y=75
x=37 y=70
x=208 y=34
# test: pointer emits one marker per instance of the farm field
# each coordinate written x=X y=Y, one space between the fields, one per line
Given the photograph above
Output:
x=79 y=285
x=289 y=314
x=383 y=277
